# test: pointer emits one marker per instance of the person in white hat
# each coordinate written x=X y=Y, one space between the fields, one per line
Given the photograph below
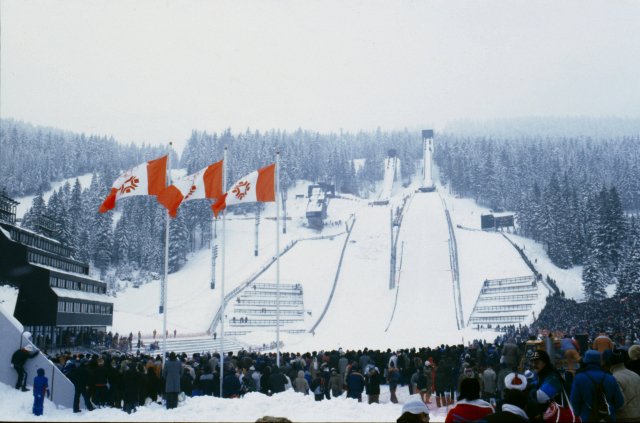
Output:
x=515 y=401
x=414 y=410
x=18 y=359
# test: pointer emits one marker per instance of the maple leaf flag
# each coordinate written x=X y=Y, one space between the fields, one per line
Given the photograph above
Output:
x=206 y=183
x=148 y=178
x=258 y=186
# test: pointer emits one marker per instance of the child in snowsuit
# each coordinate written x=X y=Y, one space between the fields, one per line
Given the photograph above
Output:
x=40 y=389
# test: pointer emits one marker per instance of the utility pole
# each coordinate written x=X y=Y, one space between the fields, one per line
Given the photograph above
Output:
x=255 y=249
x=284 y=210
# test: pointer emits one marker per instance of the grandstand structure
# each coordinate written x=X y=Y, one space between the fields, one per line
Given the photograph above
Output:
x=256 y=309
x=508 y=301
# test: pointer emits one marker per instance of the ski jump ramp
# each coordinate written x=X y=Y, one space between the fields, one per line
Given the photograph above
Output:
x=363 y=302
x=426 y=294
x=391 y=167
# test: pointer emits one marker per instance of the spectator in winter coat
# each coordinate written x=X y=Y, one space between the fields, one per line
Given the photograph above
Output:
x=510 y=354
x=355 y=384
x=469 y=407
x=277 y=381
x=130 y=381
x=99 y=382
x=79 y=376
x=342 y=366
x=255 y=375
x=326 y=376
x=40 y=389
x=300 y=384
x=443 y=373
x=205 y=381
x=570 y=350
x=317 y=387
x=502 y=374
x=171 y=373
x=231 y=384
x=414 y=410
x=515 y=401
x=549 y=380
x=629 y=383
x=335 y=383
x=602 y=342
x=585 y=383
x=373 y=385
x=488 y=384
x=422 y=382
x=393 y=377
x=186 y=383
x=634 y=359
x=467 y=373
x=264 y=381
x=17 y=361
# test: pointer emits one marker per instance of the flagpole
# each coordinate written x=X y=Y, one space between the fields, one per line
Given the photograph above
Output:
x=278 y=258
x=223 y=268
x=166 y=269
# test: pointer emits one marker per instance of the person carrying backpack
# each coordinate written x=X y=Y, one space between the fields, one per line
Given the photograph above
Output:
x=595 y=395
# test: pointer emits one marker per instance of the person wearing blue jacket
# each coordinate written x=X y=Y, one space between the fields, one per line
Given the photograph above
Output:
x=355 y=384
x=585 y=383
x=40 y=389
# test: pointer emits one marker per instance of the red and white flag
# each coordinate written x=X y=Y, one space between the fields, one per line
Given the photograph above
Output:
x=206 y=183
x=145 y=179
x=258 y=186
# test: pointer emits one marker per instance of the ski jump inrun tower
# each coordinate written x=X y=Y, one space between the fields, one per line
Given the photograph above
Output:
x=427 y=157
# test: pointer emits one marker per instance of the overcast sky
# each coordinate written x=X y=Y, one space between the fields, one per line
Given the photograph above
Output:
x=154 y=70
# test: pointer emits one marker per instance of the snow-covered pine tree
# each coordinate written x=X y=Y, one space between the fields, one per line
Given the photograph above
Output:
x=593 y=279
x=629 y=273
x=178 y=243
x=38 y=209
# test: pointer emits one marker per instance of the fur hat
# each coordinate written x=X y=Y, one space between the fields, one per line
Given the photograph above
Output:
x=415 y=405
x=634 y=352
x=515 y=381
x=591 y=357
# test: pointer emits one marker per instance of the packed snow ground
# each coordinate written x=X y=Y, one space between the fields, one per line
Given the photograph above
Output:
x=16 y=406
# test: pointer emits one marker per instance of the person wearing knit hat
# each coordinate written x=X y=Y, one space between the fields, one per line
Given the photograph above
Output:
x=629 y=383
x=515 y=401
x=634 y=359
x=586 y=383
x=414 y=410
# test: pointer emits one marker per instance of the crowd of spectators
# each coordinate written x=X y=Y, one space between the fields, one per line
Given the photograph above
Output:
x=618 y=316
x=130 y=378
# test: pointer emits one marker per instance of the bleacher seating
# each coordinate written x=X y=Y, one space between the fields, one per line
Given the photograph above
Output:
x=255 y=309
x=520 y=293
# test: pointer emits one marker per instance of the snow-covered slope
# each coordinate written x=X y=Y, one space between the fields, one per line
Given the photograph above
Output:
x=362 y=305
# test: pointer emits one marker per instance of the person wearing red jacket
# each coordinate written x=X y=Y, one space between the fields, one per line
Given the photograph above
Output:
x=470 y=407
